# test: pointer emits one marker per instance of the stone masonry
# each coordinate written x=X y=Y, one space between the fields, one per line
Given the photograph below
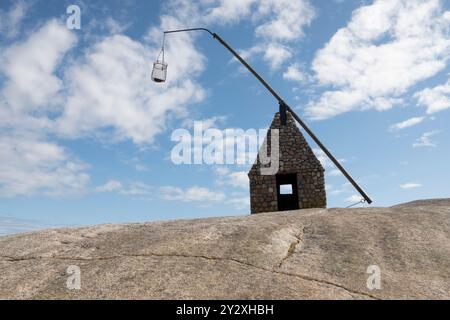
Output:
x=296 y=157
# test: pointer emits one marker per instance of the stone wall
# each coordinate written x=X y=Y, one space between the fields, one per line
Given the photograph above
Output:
x=296 y=157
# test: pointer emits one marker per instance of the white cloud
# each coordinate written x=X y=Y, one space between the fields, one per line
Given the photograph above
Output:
x=410 y=185
x=107 y=88
x=278 y=23
x=136 y=163
x=110 y=186
x=435 y=99
x=407 y=123
x=287 y=19
x=137 y=189
x=276 y=20
x=168 y=193
x=222 y=171
x=115 y=27
x=114 y=76
x=294 y=73
x=325 y=161
x=237 y=179
x=31 y=166
x=385 y=49
x=425 y=140
x=330 y=169
x=343 y=188
x=10 y=21
x=275 y=55
x=227 y=11
x=29 y=68
x=207 y=123
x=239 y=202
x=192 y=194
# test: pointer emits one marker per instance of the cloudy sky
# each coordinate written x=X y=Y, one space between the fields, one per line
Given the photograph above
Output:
x=85 y=135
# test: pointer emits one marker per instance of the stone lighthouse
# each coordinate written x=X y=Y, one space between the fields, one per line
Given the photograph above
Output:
x=299 y=181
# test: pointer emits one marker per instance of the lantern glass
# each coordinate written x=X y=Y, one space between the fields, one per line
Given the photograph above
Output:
x=159 y=72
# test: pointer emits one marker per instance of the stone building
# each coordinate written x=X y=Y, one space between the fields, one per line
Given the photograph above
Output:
x=299 y=182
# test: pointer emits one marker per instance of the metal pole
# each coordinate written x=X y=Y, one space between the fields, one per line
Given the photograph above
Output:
x=192 y=29
x=284 y=107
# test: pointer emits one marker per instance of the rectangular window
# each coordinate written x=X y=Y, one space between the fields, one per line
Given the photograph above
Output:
x=286 y=189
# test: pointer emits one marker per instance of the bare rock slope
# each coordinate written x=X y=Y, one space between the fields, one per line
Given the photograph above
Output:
x=308 y=254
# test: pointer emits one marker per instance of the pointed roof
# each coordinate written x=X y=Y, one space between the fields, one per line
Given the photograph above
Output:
x=296 y=156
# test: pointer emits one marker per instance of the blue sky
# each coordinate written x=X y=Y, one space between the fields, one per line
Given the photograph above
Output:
x=86 y=135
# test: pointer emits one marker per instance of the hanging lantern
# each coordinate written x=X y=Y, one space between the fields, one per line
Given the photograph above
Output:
x=159 y=72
